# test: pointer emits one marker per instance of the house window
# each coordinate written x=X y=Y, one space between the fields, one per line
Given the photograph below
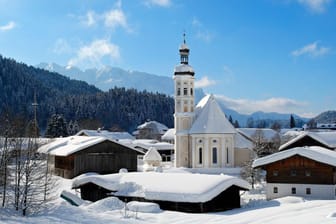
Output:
x=275 y=190
x=275 y=173
x=293 y=173
x=293 y=190
x=178 y=91
x=185 y=91
x=308 y=191
x=307 y=173
x=200 y=155
x=214 y=155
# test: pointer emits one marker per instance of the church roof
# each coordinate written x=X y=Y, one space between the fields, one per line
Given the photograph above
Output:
x=211 y=119
x=183 y=68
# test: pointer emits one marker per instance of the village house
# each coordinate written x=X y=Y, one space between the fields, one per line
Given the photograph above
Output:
x=308 y=171
x=71 y=156
x=326 y=139
x=150 y=130
x=183 y=192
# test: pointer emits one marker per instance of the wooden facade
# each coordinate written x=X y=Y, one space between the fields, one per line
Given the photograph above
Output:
x=103 y=158
x=300 y=170
x=226 y=200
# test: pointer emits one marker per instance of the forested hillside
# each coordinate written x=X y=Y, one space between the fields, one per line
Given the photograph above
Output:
x=76 y=100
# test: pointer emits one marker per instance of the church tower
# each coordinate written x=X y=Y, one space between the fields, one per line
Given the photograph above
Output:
x=184 y=107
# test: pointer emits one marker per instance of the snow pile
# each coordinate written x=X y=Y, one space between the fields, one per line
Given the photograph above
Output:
x=332 y=215
x=290 y=200
x=147 y=207
x=106 y=204
x=180 y=187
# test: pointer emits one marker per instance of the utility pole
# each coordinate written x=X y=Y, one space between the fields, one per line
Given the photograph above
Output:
x=35 y=104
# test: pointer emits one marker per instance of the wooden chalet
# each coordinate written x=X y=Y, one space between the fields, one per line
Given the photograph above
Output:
x=75 y=155
x=219 y=195
x=301 y=171
x=326 y=139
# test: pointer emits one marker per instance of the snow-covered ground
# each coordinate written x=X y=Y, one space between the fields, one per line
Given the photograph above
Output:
x=255 y=209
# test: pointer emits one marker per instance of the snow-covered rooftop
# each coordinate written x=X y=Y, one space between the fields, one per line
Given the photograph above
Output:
x=169 y=135
x=179 y=187
x=316 y=153
x=106 y=134
x=268 y=133
x=148 y=143
x=328 y=138
x=211 y=119
x=69 y=145
x=155 y=126
x=241 y=142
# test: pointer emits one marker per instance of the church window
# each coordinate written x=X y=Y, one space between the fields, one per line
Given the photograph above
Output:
x=185 y=106
x=178 y=91
x=200 y=155
x=185 y=91
x=214 y=141
x=199 y=140
x=214 y=155
x=191 y=91
x=227 y=155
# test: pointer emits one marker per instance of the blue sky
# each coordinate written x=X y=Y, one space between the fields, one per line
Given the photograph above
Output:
x=269 y=55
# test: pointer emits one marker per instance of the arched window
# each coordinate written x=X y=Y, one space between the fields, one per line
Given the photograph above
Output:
x=178 y=91
x=191 y=91
x=200 y=155
x=214 y=155
x=227 y=155
x=185 y=91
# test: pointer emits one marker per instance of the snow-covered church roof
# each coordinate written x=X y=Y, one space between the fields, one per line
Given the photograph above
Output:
x=178 y=187
x=152 y=155
x=210 y=119
x=315 y=153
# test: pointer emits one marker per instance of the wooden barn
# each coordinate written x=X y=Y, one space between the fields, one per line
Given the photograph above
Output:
x=194 y=192
x=75 y=155
x=301 y=171
x=326 y=139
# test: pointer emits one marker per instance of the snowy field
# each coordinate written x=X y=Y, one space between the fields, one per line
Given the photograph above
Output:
x=255 y=209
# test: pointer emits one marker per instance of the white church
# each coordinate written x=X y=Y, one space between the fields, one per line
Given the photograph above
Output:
x=204 y=138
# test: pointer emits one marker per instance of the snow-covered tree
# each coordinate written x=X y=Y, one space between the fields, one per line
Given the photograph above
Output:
x=56 y=127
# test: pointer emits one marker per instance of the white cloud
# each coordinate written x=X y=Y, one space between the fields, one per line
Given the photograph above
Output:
x=201 y=33
x=111 y=19
x=317 y=6
x=9 y=26
x=61 y=46
x=93 y=54
x=161 y=3
x=280 y=105
x=312 y=50
x=204 y=82
x=115 y=18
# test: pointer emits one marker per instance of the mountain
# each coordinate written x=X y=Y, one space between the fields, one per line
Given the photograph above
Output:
x=328 y=117
x=108 y=77
x=76 y=100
